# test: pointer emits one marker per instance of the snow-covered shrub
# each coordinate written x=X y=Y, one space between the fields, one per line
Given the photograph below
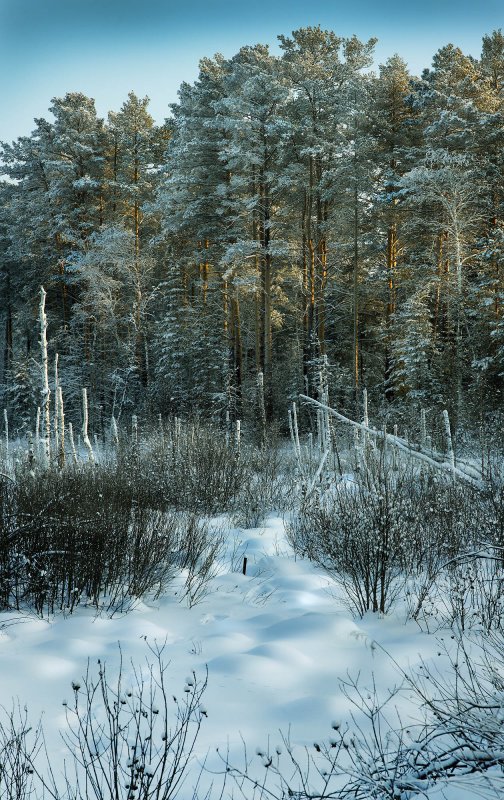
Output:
x=387 y=533
x=268 y=486
x=197 y=467
x=465 y=593
x=19 y=744
x=132 y=748
x=84 y=536
x=461 y=536
x=454 y=741
x=185 y=466
x=109 y=532
x=451 y=516
x=364 y=535
x=494 y=497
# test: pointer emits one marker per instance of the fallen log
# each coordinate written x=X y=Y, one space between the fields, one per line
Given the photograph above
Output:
x=431 y=458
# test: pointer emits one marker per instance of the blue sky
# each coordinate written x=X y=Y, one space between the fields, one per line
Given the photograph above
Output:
x=105 y=48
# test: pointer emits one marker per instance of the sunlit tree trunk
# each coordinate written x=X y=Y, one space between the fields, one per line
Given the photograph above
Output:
x=46 y=392
x=355 y=300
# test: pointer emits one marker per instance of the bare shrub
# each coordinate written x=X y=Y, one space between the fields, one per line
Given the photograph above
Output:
x=187 y=466
x=123 y=741
x=199 y=558
x=363 y=535
x=464 y=594
x=268 y=487
x=455 y=739
x=494 y=529
x=87 y=538
x=19 y=746
x=127 y=737
x=461 y=586
x=194 y=466
x=388 y=533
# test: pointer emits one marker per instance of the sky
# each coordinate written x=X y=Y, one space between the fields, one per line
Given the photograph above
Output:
x=106 y=48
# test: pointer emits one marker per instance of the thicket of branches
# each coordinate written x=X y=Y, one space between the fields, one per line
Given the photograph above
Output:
x=126 y=523
x=88 y=539
x=395 y=535
x=293 y=206
x=453 y=739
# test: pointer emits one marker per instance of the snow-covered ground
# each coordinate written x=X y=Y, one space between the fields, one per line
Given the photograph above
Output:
x=276 y=641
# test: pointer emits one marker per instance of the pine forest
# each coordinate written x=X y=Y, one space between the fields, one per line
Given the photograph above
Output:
x=295 y=213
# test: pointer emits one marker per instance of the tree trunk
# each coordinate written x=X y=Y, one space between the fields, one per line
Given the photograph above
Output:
x=356 y=352
x=46 y=392
x=7 y=358
x=392 y=247
x=236 y=359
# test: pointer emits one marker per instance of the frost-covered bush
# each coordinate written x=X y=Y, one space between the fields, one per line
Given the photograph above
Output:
x=269 y=486
x=464 y=594
x=362 y=533
x=387 y=533
x=453 y=740
x=493 y=531
x=187 y=466
x=115 y=529
x=197 y=467
x=460 y=583
x=82 y=535
x=20 y=743
x=128 y=737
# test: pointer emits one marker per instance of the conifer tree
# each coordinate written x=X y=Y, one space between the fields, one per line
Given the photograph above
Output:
x=194 y=236
x=322 y=70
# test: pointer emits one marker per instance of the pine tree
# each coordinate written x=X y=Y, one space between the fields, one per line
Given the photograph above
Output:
x=134 y=153
x=250 y=114
x=194 y=238
x=322 y=70
x=395 y=140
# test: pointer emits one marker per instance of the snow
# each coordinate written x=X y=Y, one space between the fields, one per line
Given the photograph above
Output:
x=276 y=641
